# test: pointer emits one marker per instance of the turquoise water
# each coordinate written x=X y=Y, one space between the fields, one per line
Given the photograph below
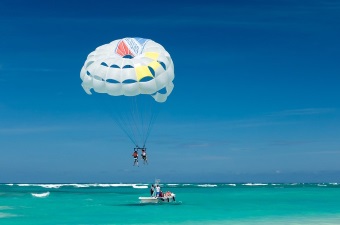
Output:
x=195 y=204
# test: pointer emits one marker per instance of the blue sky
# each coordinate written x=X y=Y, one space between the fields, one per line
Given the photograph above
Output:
x=256 y=95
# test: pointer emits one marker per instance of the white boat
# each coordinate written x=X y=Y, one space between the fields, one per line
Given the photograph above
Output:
x=168 y=198
x=164 y=197
x=148 y=199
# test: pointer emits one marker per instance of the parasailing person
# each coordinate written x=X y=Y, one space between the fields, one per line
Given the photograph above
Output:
x=144 y=156
x=135 y=157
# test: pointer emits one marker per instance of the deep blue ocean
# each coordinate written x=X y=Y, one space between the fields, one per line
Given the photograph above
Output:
x=239 y=203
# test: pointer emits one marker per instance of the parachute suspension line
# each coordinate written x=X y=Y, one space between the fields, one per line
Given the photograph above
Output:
x=143 y=121
x=120 y=122
x=128 y=126
x=145 y=114
x=131 y=125
x=128 y=121
x=151 y=123
x=124 y=122
x=139 y=115
x=135 y=119
x=149 y=129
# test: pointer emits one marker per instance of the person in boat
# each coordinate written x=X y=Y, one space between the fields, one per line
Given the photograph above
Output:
x=135 y=157
x=158 y=190
x=152 y=190
x=144 y=157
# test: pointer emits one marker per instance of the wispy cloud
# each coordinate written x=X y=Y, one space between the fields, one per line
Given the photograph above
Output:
x=289 y=143
x=33 y=129
x=2 y=68
x=196 y=145
x=316 y=152
x=211 y=158
x=303 y=112
x=253 y=123
x=284 y=118
x=215 y=126
x=35 y=68
x=266 y=15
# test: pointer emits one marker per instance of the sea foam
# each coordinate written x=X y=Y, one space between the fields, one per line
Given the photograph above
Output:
x=25 y=185
x=207 y=185
x=140 y=186
x=80 y=185
x=56 y=186
x=40 y=195
x=255 y=184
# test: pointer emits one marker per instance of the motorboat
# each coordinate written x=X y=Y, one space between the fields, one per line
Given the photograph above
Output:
x=148 y=199
x=170 y=197
x=163 y=197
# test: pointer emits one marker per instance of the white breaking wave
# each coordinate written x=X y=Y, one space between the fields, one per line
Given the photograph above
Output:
x=42 y=185
x=207 y=185
x=80 y=185
x=140 y=186
x=111 y=185
x=9 y=184
x=40 y=195
x=24 y=185
x=51 y=185
x=122 y=185
x=104 y=185
x=56 y=186
x=231 y=185
x=255 y=184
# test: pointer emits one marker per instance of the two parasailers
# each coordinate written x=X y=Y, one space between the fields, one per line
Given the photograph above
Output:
x=143 y=154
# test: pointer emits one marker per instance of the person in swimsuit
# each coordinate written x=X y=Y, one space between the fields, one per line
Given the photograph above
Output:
x=144 y=157
x=135 y=157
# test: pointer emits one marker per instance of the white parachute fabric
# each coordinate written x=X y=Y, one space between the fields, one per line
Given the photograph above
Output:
x=130 y=67
x=134 y=68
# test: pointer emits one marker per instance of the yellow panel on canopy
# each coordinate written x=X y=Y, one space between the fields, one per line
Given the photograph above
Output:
x=152 y=55
x=142 y=71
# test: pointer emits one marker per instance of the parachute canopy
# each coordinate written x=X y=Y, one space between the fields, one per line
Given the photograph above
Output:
x=130 y=67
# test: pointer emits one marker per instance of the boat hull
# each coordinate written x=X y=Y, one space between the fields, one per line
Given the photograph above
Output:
x=170 y=198
x=148 y=199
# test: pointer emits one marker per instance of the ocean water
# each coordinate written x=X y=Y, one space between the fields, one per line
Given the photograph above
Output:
x=247 y=203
